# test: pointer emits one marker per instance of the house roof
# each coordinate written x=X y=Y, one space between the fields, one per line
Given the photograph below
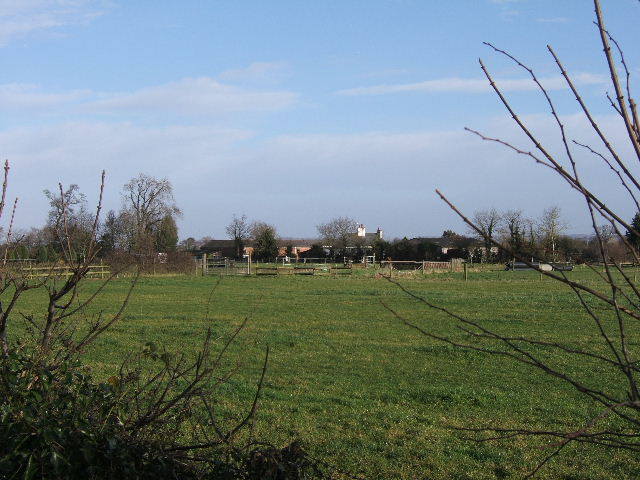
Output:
x=214 y=244
x=220 y=245
x=370 y=237
x=298 y=242
x=446 y=242
x=217 y=245
x=225 y=244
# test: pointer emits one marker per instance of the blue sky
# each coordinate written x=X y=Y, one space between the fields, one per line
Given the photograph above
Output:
x=294 y=112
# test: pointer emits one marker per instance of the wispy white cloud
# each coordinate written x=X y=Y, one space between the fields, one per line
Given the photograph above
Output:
x=257 y=72
x=388 y=72
x=552 y=20
x=506 y=12
x=509 y=14
x=42 y=156
x=474 y=173
x=116 y=146
x=200 y=96
x=14 y=95
x=474 y=85
x=22 y=17
x=210 y=166
x=190 y=96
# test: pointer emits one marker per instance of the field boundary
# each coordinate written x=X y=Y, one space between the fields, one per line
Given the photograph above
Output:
x=95 y=271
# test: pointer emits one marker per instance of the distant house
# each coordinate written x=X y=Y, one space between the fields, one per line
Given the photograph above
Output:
x=455 y=245
x=227 y=248
x=222 y=248
x=298 y=246
x=444 y=244
x=363 y=239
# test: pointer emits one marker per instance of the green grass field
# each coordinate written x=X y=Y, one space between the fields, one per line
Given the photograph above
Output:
x=365 y=392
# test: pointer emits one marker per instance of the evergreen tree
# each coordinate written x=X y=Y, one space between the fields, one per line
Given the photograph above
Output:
x=265 y=244
x=403 y=250
x=167 y=235
x=381 y=249
x=109 y=233
x=634 y=237
x=43 y=254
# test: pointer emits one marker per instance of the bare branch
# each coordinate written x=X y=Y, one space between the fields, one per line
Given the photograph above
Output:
x=628 y=123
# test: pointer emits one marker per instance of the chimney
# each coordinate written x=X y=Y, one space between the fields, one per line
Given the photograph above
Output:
x=379 y=233
x=361 y=230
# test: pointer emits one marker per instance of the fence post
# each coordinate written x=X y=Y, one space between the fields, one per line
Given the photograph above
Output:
x=465 y=271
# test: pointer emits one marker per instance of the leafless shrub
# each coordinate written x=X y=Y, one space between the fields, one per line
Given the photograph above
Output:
x=128 y=263
x=53 y=327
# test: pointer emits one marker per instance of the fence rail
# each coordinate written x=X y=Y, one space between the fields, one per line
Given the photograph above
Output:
x=95 y=271
x=425 y=266
x=220 y=266
x=267 y=271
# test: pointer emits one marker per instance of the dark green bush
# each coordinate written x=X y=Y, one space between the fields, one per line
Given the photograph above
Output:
x=55 y=422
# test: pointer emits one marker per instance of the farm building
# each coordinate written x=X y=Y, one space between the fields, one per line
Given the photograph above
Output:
x=298 y=246
x=227 y=248
x=453 y=246
x=221 y=248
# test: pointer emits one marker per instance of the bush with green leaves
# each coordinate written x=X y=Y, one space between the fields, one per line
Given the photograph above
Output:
x=55 y=422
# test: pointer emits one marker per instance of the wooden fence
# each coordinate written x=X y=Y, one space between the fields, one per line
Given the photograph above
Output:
x=425 y=266
x=95 y=271
x=303 y=270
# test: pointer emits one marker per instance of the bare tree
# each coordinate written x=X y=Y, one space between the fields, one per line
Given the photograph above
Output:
x=607 y=237
x=606 y=233
x=147 y=200
x=513 y=228
x=551 y=226
x=615 y=349
x=69 y=220
x=70 y=202
x=531 y=236
x=239 y=231
x=338 y=232
x=488 y=221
